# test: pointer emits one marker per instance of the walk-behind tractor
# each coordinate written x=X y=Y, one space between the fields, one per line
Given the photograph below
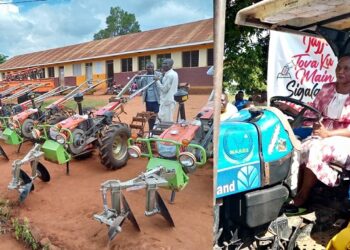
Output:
x=21 y=124
x=78 y=135
x=19 y=96
x=32 y=103
x=178 y=151
x=257 y=170
x=168 y=171
x=21 y=181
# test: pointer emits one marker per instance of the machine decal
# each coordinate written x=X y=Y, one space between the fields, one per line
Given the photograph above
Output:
x=237 y=146
x=237 y=179
x=274 y=138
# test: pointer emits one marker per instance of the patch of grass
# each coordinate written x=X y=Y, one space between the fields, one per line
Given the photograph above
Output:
x=91 y=103
x=21 y=228
x=23 y=232
x=5 y=215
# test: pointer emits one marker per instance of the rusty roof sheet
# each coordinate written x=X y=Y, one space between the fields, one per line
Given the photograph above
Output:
x=199 y=32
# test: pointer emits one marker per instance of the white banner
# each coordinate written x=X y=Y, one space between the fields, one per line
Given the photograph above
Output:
x=298 y=66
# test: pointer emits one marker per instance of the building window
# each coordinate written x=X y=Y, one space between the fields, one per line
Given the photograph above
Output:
x=3 y=77
x=77 y=69
x=210 y=57
x=41 y=73
x=126 y=64
x=51 y=71
x=98 y=68
x=143 y=60
x=190 y=58
x=160 y=58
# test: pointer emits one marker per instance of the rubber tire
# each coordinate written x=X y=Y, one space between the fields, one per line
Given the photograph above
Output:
x=43 y=174
x=25 y=178
x=106 y=150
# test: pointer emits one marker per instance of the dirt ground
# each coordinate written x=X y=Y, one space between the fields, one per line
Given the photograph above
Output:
x=62 y=210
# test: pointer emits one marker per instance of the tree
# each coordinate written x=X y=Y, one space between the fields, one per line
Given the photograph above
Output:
x=246 y=52
x=2 y=58
x=119 y=22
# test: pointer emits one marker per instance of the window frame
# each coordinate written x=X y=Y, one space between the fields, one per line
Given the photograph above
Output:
x=190 y=58
x=142 y=61
x=53 y=71
x=161 y=57
x=128 y=66
x=210 y=57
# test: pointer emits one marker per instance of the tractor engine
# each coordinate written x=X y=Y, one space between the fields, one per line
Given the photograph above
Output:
x=255 y=154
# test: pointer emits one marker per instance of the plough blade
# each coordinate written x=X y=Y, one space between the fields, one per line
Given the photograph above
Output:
x=24 y=191
x=163 y=210
x=3 y=153
x=131 y=216
x=115 y=228
x=115 y=221
x=21 y=181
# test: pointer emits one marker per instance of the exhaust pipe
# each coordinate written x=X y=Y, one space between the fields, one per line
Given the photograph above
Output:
x=78 y=98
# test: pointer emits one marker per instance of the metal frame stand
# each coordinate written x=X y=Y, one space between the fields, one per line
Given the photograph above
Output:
x=31 y=157
x=120 y=210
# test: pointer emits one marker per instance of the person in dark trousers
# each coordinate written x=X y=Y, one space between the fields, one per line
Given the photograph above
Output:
x=151 y=95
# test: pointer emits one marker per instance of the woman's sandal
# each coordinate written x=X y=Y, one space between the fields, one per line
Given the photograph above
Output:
x=290 y=210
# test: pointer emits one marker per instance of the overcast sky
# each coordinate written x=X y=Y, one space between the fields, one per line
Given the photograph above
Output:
x=38 y=24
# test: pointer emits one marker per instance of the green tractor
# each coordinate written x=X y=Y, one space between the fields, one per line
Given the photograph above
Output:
x=166 y=172
x=173 y=155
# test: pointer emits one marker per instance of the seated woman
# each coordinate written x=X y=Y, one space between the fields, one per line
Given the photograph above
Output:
x=331 y=136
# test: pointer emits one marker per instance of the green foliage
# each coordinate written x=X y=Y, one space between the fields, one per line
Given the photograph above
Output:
x=246 y=52
x=119 y=22
x=2 y=58
x=5 y=214
x=22 y=232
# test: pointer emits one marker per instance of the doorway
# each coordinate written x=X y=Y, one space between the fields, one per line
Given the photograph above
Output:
x=110 y=72
x=88 y=72
x=61 y=75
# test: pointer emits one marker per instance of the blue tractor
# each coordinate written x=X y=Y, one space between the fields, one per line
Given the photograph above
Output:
x=253 y=175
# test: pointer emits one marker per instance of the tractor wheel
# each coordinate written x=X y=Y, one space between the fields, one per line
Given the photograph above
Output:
x=79 y=142
x=27 y=128
x=114 y=148
x=43 y=174
x=25 y=179
x=56 y=118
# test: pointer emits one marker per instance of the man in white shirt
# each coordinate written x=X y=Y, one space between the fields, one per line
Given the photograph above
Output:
x=227 y=109
x=167 y=90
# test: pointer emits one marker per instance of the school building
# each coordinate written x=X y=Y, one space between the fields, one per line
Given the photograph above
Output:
x=190 y=45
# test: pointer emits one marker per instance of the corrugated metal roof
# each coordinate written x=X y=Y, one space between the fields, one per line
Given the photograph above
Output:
x=199 y=32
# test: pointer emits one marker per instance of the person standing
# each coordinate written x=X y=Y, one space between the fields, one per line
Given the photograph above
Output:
x=167 y=89
x=227 y=109
x=150 y=96
x=240 y=101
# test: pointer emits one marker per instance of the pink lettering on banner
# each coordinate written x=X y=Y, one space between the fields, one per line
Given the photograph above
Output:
x=326 y=61
x=314 y=43
x=314 y=76
x=304 y=61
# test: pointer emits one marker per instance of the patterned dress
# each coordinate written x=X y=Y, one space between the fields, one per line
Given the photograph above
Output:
x=317 y=153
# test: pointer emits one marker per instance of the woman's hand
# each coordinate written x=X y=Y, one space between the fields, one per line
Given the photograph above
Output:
x=320 y=130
